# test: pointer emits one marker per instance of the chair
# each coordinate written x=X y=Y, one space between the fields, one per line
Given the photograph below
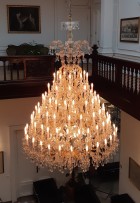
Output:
x=86 y=194
x=46 y=191
x=122 y=198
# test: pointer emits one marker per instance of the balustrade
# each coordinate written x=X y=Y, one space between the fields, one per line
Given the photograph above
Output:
x=118 y=81
x=124 y=74
x=15 y=68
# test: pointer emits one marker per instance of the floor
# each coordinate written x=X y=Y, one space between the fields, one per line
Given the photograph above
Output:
x=104 y=190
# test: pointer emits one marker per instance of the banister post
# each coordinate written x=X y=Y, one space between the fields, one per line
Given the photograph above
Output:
x=95 y=60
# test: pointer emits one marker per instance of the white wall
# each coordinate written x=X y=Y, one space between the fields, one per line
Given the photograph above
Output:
x=127 y=9
x=12 y=112
x=129 y=147
x=52 y=12
x=16 y=181
x=96 y=22
x=88 y=12
x=111 y=12
x=47 y=27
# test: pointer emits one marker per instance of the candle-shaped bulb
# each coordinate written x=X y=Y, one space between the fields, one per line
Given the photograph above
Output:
x=33 y=141
x=86 y=148
x=69 y=117
x=71 y=148
x=73 y=102
x=97 y=145
x=105 y=142
x=25 y=130
x=110 y=139
x=27 y=137
x=48 y=87
x=49 y=147
x=42 y=128
x=41 y=143
x=87 y=130
x=103 y=106
x=87 y=77
x=59 y=148
x=86 y=102
x=54 y=76
x=84 y=74
x=97 y=127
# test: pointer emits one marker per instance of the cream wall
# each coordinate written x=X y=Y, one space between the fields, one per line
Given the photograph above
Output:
x=129 y=147
x=52 y=13
x=88 y=12
x=127 y=9
x=16 y=181
x=106 y=33
x=47 y=24
x=12 y=112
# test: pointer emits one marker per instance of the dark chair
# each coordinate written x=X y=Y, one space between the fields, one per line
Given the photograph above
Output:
x=109 y=171
x=86 y=194
x=46 y=191
x=122 y=198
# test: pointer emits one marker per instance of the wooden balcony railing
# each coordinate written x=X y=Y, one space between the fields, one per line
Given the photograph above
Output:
x=116 y=80
x=26 y=66
x=124 y=74
x=25 y=76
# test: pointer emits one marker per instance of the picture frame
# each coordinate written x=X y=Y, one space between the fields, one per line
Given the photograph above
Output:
x=23 y=19
x=134 y=173
x=1 y=162
x=129 y=30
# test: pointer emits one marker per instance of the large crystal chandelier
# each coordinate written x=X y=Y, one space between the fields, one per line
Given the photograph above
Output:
x=70 y=127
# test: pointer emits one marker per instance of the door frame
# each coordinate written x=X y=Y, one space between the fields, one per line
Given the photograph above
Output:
x=13 y=160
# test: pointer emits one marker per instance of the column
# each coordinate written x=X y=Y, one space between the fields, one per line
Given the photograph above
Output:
x=106 y=38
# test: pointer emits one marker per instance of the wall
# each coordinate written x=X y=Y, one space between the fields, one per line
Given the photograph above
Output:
x=12 y=112
x=16 y=181
x=47 y=27
x=52 y=12
x=129 y=147
x=96 y=22
x=110 y=12
x=86 y=11
x=127 y=9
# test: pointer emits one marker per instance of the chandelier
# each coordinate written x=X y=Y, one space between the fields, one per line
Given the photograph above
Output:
x=70 y=127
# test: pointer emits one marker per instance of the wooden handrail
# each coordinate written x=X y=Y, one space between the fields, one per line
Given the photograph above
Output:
x=12 y=65
x=116 y=80
x=124 y=74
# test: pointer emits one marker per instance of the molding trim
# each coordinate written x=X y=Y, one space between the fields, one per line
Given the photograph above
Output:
x=122 y=56
x=26 y=188
x=107 y=50
x=13 y=160
x=127 y=57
